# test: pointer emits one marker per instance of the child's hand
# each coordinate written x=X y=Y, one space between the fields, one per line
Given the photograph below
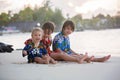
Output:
x=45 y=56
x=24 y=53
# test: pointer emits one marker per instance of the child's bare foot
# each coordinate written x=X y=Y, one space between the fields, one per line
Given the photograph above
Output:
x=47 y=59
x=82 y=59
x=90 y=59
x=107 y=57
x=53 y=61
x=103 y=59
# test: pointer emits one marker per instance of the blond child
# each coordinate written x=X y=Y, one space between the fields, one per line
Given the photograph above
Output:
x=35 y=49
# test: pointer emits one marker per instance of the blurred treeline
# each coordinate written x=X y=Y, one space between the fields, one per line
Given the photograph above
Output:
x=28 y=18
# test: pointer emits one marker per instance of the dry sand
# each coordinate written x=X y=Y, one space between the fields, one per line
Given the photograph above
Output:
x=14 y=67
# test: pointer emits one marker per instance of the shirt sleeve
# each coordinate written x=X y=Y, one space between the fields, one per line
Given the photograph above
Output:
x=57 y=43
x=44 y=51
x=27 y=47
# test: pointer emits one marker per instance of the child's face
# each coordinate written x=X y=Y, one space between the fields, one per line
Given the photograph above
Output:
x=47 y=33
x=37 y=36
x=67 y=30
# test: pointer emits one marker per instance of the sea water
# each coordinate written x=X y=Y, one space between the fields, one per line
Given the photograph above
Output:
x=102 y=41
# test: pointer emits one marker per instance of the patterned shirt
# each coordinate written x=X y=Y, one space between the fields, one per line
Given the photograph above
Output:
x=34 y=51
x=46 y=42
x=61 y=42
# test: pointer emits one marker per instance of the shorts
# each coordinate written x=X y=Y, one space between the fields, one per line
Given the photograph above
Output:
x=31 y=60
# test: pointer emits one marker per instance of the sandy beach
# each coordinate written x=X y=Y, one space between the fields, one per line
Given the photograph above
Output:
x=99 y=43
x=14 y=67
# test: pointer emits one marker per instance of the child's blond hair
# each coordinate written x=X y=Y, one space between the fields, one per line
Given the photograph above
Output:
x=37 y=29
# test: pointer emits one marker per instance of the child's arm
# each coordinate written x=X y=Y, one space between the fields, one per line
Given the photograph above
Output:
x=24 y=53
x=25 y=50
x=58 y=50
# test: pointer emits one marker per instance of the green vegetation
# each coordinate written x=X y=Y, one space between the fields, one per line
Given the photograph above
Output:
x=45 y=13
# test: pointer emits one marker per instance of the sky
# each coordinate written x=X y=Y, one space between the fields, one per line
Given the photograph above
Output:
x=87 y=8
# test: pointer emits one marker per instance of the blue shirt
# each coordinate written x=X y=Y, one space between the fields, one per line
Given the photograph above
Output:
x=35 y=52
x=61 y=42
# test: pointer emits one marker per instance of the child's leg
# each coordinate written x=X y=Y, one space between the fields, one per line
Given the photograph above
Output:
x=66 y=57
x=81 y=58
x=56 y=56
x=40 y=60
x=52 y=61
x=47 y=58
x=89 y=59
x=63 y=56
x=102 y=59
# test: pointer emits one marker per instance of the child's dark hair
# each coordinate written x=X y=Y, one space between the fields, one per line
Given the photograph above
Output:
x=68 y=23
x=48 y=25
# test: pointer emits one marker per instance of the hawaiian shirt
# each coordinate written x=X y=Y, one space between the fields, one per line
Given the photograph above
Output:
x=61 y=42
x=34 y=51
x=47 y=43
